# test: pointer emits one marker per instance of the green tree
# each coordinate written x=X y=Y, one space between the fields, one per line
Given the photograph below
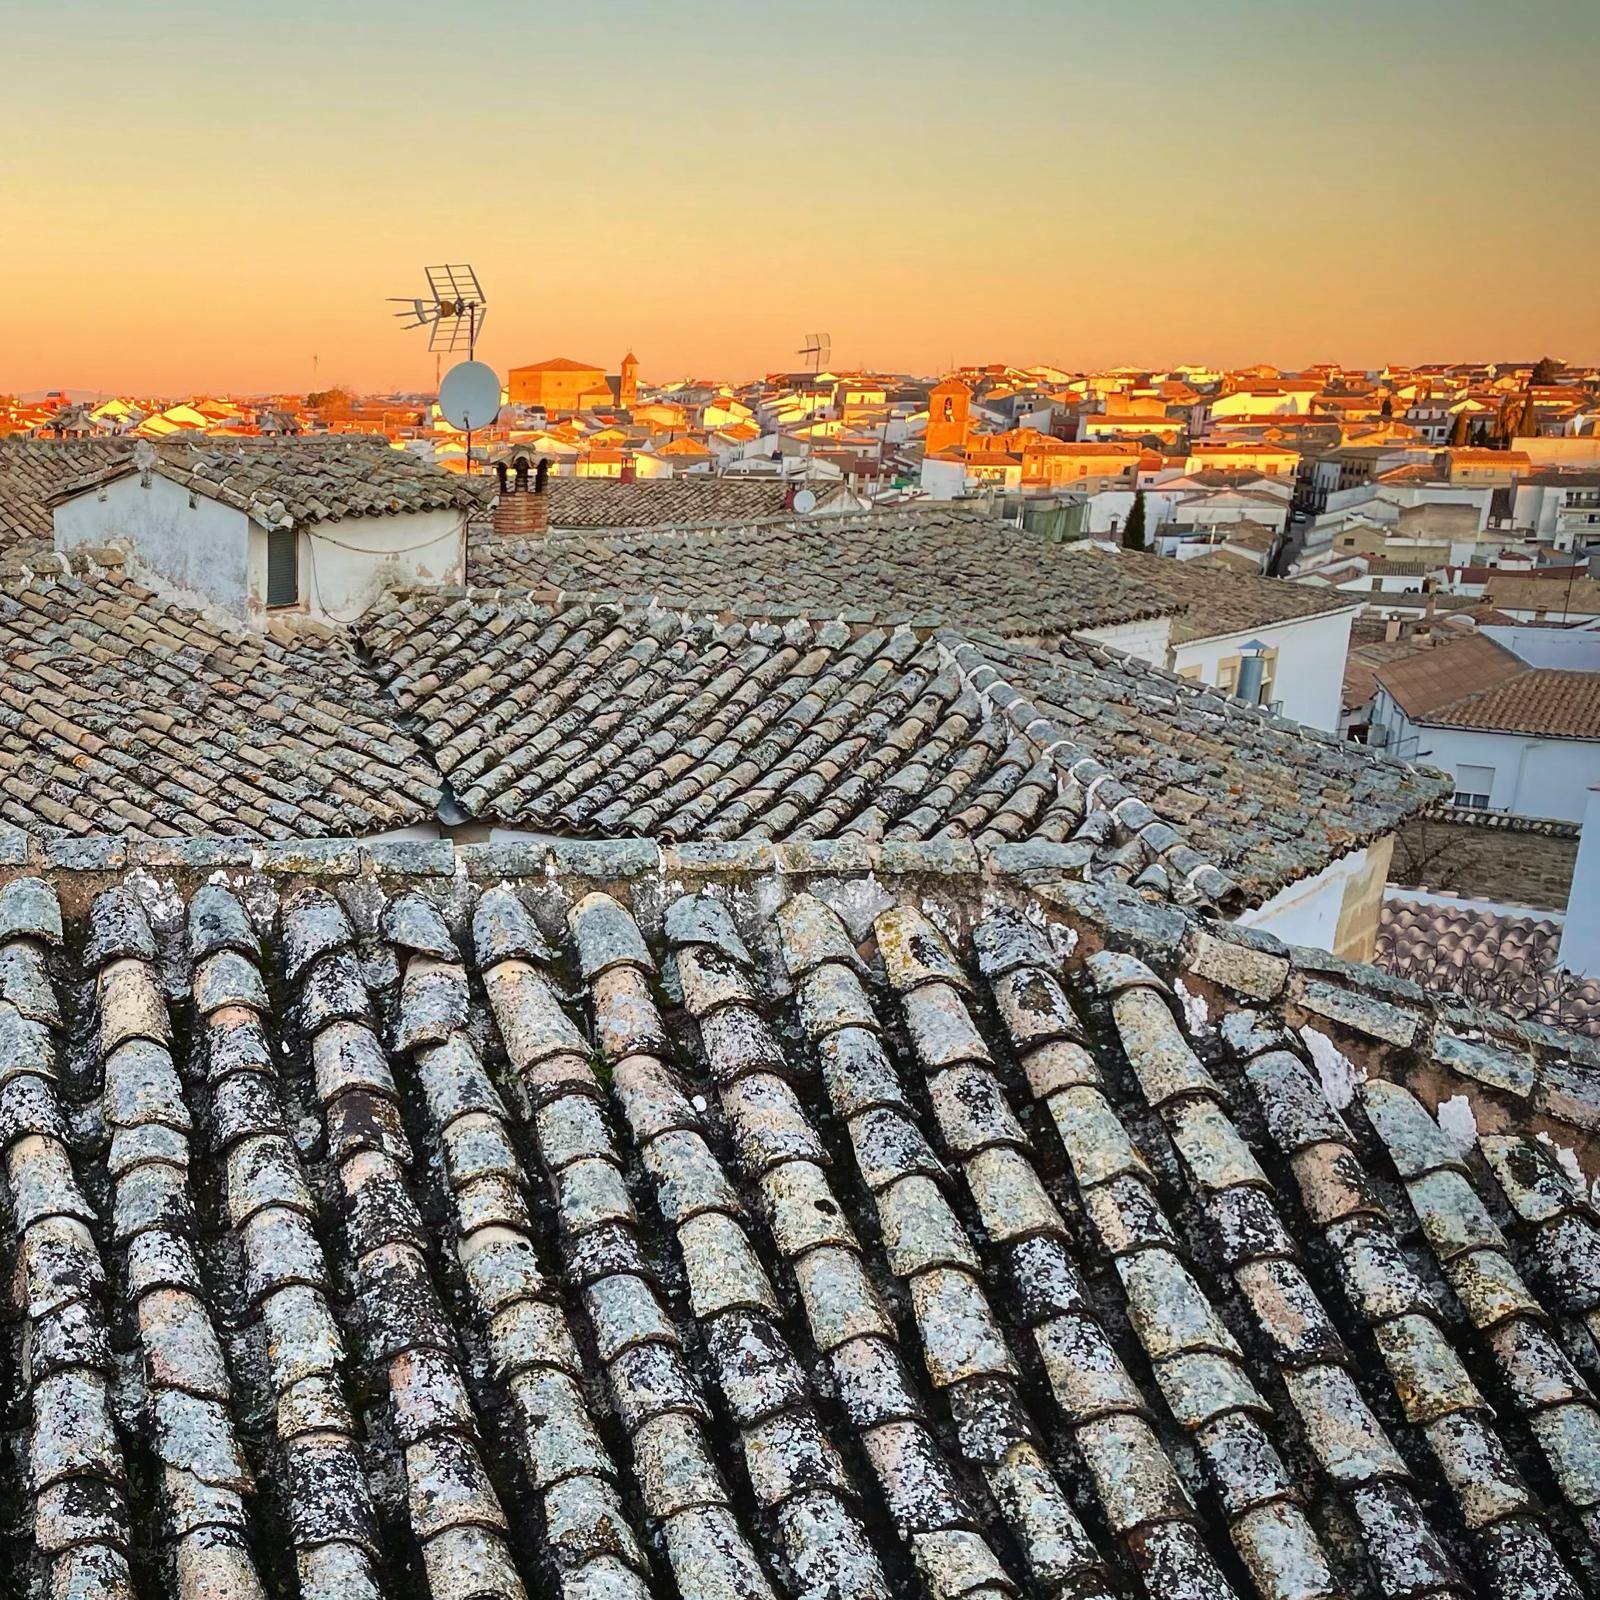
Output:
x=1133 y=529
x=1546 y=370
x=1480 y=436
x=1386 y=410
x=1527 y=420
x=1458 y=430
x=1505 y=422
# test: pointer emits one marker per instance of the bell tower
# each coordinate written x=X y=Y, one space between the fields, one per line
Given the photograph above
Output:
x=628 y=382
x=949 y=416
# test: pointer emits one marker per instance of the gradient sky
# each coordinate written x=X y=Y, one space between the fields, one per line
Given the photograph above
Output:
x=202 y=196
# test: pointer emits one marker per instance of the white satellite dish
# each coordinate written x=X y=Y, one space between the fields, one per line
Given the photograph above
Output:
x=469 y=396
x=805 y=501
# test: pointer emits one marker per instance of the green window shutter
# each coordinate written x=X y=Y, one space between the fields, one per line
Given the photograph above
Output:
x=283 y=574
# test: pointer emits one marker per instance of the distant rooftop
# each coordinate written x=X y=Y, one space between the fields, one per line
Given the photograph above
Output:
x=1507 y=959
x=1217 y=601
x=1476 y=682
x=1580 y=598
x=654 y=502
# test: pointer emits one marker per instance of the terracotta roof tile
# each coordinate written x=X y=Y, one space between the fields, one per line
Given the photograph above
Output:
x=1477 y=683
x=610 y=503
x=607 y=720
x=1507 y=960
x=298 y=481
x=1580 y=598
x=123 y=714
x=1423 y=682
x=514 y=1229
x=1218 y=601
x=31 y=470
x=929 y=566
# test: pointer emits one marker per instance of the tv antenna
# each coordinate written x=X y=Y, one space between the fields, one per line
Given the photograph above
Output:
x=453 y=310
x=816 y=350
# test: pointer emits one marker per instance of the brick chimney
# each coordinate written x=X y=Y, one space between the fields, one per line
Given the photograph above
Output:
x=630 y=471
x=522 y=510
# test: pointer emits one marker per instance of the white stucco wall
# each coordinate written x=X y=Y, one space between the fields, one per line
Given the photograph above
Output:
x=1146 y=638
x=198 y=551
x=1532 y=777
x=1580 y=937
x=1310 y=668
x=345 y=566
x=1307 y=911
x=943 y=480
x=1571 y=649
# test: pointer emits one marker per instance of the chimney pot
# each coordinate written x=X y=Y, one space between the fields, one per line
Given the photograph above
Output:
x=521 y=513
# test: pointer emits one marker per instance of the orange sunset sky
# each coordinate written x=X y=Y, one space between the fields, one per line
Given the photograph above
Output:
x=200 y=197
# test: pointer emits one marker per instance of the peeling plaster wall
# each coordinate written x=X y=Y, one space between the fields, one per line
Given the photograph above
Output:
x=193 y=552
x=345 y=566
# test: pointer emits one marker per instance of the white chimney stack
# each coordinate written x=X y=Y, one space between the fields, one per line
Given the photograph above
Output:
x=1580 y=934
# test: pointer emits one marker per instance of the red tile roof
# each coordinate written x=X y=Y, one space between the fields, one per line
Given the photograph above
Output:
x=1476 y=683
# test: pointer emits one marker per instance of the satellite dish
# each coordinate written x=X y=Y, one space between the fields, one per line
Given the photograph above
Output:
x=805 y=501
x=469 y=397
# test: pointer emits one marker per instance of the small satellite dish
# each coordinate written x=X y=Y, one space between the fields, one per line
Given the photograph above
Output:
x=469 y=396
x=805 y=501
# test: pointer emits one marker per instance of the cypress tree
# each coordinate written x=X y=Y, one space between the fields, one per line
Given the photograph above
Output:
x=1458 y=430
x=1133 y=529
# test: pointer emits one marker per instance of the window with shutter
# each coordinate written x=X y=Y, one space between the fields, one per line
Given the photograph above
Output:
x=1474 y=785
x=283 y=571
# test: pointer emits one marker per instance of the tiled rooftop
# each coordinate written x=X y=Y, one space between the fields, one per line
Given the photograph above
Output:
x=1502 y=958
x=1575 y=600
x=615 y=721
x=926 y=566
x=610 y=503
x=572 y=1222
x=1477 y=683
x=293 y=482
x=123 y=713
x=1217 y=601
x=1269 y=799
x=31 y=470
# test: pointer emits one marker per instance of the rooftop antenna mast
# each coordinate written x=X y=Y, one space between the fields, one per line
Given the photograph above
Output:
x=453 y=312
x=816 y=351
